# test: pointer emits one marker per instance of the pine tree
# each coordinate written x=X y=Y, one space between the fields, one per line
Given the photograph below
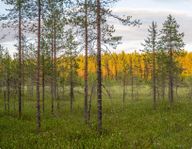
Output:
x=150 y=50
x=171 y=42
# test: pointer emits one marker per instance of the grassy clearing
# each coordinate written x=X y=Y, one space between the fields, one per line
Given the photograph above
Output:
x=135 y=125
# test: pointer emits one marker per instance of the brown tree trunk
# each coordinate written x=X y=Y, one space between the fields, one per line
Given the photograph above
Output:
x=8 y=90
x=71 y=84
x=22 y=73
x=5 y=100
x=55 y=63
x=52 y=74
x=163 y=88
x=90 y=102
x=38 y=67
x=99 y=73
x=124 y=87
x=154 y=78
x=20 y=65
x=171 y=76
x=43 y=83
x=131 y=75
x=86 y=65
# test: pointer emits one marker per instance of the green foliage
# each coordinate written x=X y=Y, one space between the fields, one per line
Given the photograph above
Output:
x=134 y=125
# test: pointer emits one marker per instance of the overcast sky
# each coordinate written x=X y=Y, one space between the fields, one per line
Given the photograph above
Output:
x=147 y=11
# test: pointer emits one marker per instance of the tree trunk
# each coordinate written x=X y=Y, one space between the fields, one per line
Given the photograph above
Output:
x=52 y=74
x=124 y=87
x=5 y=101
x=8 y=90
x=20 y=65
x=55 y=63
x=90 y=103
x=99 y=73
x=171 y=76
x=154 y=78
x=86 y=64
x=43 y=83
x=38 y=67
x=131 y=75
x=71 y=84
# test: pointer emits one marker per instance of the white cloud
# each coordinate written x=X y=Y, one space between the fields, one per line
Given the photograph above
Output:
x=133 y=37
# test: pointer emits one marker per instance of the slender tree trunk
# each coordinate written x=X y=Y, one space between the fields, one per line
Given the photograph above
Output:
x=52 y=76
x=22 y=73
x=20 y=65
x=43 y=83
x=55 y=63
x=154 y=78
x=86 y=65
x=163 y=88
x=5 y=100
x=99 y=73
x=171 y=77
x=38 y=67
x=8 y=91
x=32 y=88
x=131 y=75
x=71 y=84
x=90 y=103
x=124 y=87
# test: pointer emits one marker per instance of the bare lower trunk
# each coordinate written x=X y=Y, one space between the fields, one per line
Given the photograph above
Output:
x=86 y=65
x=99 y=73
x=52 y=76
x=20 y=65
x=38 y=67
x=5 y=101
x=90 y=103
x=43 y=84
x=131 y=75
x=8 y=94
x=171 y=77
x=71 y=86
x=154 y=80
x=124 y=87
x=55 y=64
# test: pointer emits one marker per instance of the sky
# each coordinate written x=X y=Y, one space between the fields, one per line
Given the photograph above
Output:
x=145 y=10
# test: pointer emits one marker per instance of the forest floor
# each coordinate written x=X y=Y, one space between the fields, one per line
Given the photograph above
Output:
x=134 y=125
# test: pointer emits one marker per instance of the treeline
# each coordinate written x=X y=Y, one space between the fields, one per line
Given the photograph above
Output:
x=113 y=65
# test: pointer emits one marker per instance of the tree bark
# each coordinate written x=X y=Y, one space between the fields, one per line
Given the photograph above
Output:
x=20 y=65
x=131 y=75
x=38 y=67
x=52 y=75
x=124 y=87
x=8 y=89
x=154 y=79
x=43 y=83
x=86 y=65
x=171 y=76
x=99 y=73
x=71 y=84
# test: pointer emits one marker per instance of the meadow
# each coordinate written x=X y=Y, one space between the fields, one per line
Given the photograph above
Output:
x=132 y=125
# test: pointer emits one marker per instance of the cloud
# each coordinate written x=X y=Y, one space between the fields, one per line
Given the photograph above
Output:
x=133 y=37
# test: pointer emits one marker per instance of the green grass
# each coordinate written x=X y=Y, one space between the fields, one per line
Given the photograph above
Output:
x=132 y=126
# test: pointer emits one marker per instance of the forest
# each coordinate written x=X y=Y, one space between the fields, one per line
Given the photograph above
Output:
x=64 y=88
